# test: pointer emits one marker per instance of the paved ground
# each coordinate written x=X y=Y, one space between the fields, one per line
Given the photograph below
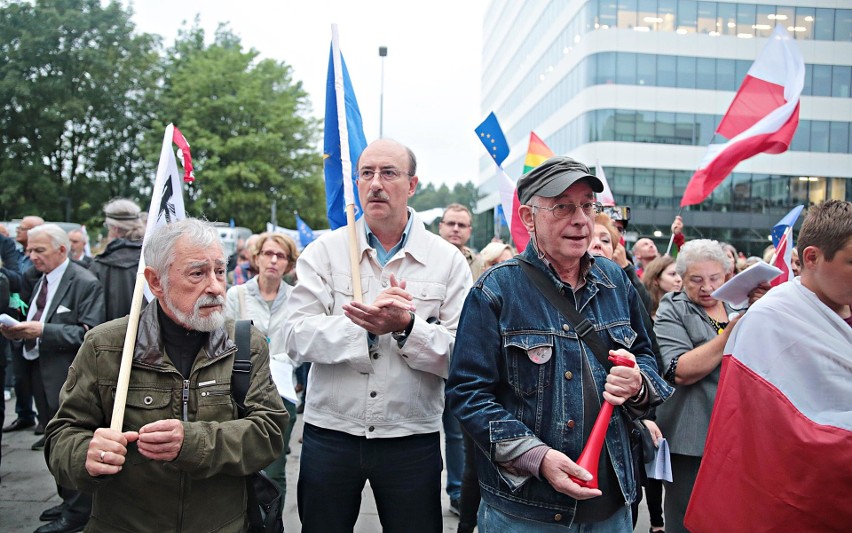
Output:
x=27 y=488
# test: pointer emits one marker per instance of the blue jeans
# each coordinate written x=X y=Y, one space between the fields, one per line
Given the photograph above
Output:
x=454 y=451
x=404 y=473
x=492 y=520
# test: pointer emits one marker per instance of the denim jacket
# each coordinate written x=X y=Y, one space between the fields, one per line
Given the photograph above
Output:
x=516 y=378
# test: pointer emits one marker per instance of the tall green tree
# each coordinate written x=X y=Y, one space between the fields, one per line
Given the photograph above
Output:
x=74 y=86
x=253 y=139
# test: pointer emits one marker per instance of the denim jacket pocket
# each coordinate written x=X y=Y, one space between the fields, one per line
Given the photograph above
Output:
x=622 y=335
x=529 y=357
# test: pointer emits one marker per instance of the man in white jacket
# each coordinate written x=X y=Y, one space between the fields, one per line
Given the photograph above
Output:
x=377 y=380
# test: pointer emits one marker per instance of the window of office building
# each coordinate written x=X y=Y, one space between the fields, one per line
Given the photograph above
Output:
x=841 y=79
x=824 y=25
x=686 y=72
x=843 y=25
x=666 y=71
x=625 y=71
x=645 y=121
x=838 y=137
x=741 y=192
x=821 y=84
x=726 y=75
x=664 y=187
x=705 y=77
x=627 y=14
x=687 y=16
x=707 y=18
x=607 y=11
x=726 y=19
x=667 y=10
x=804 y=26
x=625 y=126
x=802 y=138
x=819 y=136
x=705 y=128
x=647 y=16
x=646 y=69
x=746 y=18
x=684 y=126
x=764 y=21
x=605 y=71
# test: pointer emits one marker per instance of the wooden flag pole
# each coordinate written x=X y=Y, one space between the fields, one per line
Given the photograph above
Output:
x=127 y=352
x=354 y=260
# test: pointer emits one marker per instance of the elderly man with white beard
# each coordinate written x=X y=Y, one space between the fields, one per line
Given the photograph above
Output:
x=180 y=461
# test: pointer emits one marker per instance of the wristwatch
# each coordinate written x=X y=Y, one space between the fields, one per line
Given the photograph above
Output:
x=400 y=336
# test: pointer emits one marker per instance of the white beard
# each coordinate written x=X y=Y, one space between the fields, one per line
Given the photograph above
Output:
x=194 y=321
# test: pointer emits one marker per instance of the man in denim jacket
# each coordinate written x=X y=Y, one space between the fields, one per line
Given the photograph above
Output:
x=528 y=391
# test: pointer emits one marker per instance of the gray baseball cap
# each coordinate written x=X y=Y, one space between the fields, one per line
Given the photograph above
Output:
x=552 y=177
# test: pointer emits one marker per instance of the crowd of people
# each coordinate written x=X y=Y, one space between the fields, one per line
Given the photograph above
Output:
x=505 y=351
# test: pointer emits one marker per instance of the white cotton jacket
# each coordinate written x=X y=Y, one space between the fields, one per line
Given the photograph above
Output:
x=244 y=302
x=386 y=390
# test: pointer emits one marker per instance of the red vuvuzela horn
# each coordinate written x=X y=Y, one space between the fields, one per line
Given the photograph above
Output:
x=591 y=454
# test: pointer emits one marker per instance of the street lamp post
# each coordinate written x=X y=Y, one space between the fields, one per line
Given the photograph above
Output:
x=383 y=52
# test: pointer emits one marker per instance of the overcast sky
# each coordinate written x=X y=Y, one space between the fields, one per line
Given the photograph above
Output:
x=431 y=72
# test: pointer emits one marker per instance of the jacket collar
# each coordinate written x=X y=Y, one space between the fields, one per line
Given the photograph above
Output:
x=416 y=245
x=149 y=349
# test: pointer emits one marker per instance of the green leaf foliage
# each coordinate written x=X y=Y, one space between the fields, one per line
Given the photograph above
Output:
x=248 y=123
x=75 y=84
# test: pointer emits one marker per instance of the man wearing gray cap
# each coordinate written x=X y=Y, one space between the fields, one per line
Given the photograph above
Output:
x=527 y=386
x=116 y=266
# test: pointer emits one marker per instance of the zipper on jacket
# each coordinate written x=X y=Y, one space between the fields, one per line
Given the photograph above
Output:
x=186 y=400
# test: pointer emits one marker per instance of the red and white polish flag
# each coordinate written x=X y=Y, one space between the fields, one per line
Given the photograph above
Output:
x=762 y=118
x=778 y=455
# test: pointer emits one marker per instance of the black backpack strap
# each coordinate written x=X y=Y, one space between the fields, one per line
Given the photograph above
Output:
x=241 y=373
x=585 y=329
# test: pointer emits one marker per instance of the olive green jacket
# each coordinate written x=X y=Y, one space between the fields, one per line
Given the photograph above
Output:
x=203 y=489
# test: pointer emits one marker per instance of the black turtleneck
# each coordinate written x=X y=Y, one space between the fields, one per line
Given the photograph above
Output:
x=181 y=345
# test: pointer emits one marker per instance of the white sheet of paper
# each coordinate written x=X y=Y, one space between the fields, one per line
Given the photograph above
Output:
x=281 y=367
x=736 y=290
x=661 y=466
x=6 y=320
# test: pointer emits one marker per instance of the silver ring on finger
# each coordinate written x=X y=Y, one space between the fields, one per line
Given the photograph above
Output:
x=101 y=456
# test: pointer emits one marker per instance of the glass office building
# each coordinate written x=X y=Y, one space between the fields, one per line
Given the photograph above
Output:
x=640 y=86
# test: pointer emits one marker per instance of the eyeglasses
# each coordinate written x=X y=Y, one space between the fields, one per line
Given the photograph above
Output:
x=387 y=174
x=567 y=210
x=269 y=254
x=459 y=225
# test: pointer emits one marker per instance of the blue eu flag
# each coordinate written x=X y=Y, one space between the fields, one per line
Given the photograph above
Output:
x=491 y=135
x=332 y=166
x=306 y=234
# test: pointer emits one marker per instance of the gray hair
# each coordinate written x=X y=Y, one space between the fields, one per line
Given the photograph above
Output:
x=57 y=235
x=160 y=245
x=701 y=250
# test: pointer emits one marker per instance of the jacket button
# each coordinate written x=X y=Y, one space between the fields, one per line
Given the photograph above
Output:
x=375 y=356
x=373 y=394
x=570 y=424
x=557 y=517
x=371 y=428
x=566 y=327
x=569 y=375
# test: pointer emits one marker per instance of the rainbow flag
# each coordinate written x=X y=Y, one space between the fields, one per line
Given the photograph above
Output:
x=537 y=153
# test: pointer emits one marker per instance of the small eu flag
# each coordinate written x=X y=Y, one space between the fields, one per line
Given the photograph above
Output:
x=491 y=135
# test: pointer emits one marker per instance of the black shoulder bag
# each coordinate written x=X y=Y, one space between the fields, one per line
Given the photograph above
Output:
x=641 y=443
x=265 y=502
